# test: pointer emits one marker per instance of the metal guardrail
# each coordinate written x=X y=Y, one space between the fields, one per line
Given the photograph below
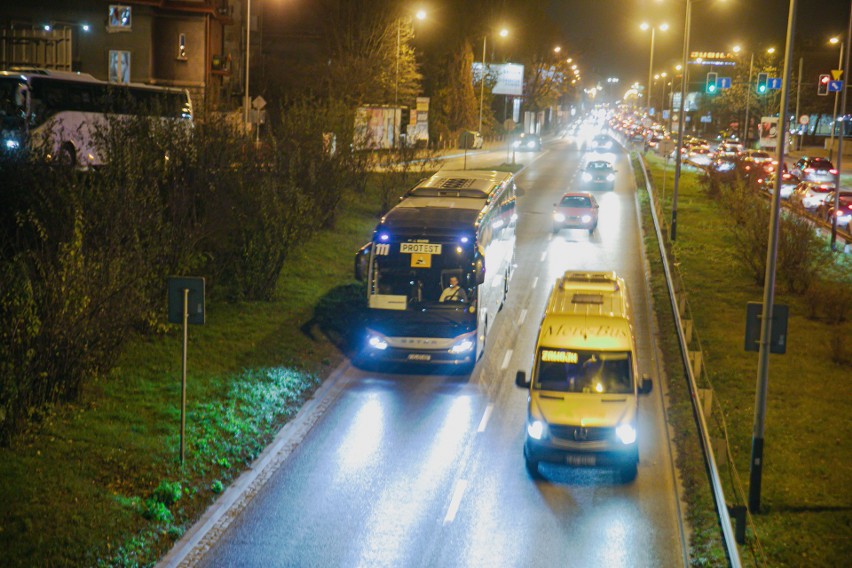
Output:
x=707 y=447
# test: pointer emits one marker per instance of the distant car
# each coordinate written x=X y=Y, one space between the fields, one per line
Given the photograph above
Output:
x=728 y=150
x=814 y=169
x=576 y=210
x=698 y=156
x=754 y=162
x=598 y=174
x=723 y=169
x=527 y=141
x=844 y=211
x=601 y=142
x=788 y=184
x=810 y=195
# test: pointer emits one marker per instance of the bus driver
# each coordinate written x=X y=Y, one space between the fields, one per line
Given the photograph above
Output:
x=453 y=292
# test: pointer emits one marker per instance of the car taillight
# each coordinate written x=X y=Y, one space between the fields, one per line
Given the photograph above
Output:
x=833 y=171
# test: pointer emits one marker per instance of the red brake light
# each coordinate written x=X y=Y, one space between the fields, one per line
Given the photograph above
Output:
x=833 y=172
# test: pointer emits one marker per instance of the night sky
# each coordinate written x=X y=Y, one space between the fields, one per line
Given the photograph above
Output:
x=605 y=34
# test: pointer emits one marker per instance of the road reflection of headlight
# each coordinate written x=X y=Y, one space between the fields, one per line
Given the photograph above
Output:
x=462 y=346
x=535 y=429
x=586 y=218
x=558 y=217
x=626 y=433
x=378 y=343
x=587 y=176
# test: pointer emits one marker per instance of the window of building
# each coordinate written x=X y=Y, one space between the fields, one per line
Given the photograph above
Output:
x=182 y=46
x=119 y=17
x=119 y=66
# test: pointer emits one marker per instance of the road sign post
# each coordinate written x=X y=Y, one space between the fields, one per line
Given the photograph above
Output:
x=186 y=306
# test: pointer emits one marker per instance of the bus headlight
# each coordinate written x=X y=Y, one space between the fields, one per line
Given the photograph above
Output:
x=558 y=217
x=626 y=433
x=462 y=346
x=377 y=342
x=536 y=429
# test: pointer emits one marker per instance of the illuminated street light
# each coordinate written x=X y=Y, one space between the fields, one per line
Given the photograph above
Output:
x=737 y=49
x=645 y=26
x=502 y=33
x=557 y=49
x=569 y=60
x=770 y=51
x=420 y=15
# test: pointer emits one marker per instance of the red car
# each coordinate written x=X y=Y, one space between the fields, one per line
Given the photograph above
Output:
x=576 y=210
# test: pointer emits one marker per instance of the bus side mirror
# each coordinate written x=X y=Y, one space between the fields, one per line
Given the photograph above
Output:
x=479 y=267
x=521 y=380
x=646 y=385
x=362 y=261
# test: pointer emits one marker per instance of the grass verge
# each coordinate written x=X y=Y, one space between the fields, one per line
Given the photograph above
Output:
x=98 y=481
x=806 y=517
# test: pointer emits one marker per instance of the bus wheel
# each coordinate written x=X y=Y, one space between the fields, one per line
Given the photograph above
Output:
x=67 y=156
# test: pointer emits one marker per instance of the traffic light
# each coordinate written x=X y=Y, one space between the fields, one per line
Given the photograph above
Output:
x=822 y=87
x=711 y=82
x=762 y=80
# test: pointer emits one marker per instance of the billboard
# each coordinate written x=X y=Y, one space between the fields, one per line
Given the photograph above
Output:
x=510 y=78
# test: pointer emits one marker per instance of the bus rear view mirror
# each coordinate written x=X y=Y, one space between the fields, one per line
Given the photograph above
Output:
x=362 y=261
x=646 y=385
x=479 y=268
x=521 y=380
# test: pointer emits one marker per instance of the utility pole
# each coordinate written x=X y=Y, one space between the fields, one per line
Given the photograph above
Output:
x=748 y=98
x=845 y=78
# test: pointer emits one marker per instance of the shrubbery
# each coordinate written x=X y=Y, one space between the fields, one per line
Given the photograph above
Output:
x=84 y=256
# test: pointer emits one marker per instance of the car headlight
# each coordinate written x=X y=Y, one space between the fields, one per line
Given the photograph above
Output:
x=536 y=429
x=586 y=218
x=516 y=143
x=11 y=144
x=587 y=176
x=610 y=177
x=530 y=144
x=462 y=346
x=559 y=217
x=626 y=433
x=377 y=342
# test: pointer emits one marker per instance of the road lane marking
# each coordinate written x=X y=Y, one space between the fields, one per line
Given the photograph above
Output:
x=522 y=318
x=535 y=282
x=482 y=423
x=543 y=256
x=461 y=485
x=506 y=359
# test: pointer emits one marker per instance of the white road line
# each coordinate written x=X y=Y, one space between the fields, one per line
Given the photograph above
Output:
x=543 y=256
x=506 y=359
x=482 y=423
x=535 y=282
x=461 y=485
x=522 y=318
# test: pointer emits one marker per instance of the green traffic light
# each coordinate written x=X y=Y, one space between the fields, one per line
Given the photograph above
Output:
x=762 y=89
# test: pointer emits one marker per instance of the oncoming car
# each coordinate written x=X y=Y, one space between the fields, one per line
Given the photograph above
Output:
x=598 y=174
x=527 y=141
x=583 y=406
x=601 y=142
x=576 y=210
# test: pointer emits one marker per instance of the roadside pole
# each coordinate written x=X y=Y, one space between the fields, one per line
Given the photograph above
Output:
x=769 y=282
x=845 y=78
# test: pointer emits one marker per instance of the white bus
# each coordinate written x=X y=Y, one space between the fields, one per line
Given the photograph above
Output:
x=67 y=109
x=438 y=269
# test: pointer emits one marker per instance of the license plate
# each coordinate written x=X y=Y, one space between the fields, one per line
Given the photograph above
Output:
x=420 y=248
x=580 y=460
x=419 y=357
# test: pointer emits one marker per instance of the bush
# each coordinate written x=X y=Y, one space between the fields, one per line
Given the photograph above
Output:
x=168 y=492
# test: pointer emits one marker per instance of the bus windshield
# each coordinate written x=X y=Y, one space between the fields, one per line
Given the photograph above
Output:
x=567 y=370
x=421 y=278
x=13 y=104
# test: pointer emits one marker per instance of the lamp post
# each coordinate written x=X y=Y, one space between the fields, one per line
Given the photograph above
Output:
x=503 y=33
x=645 y=26
x=248 y=56
x=840 y=140
x=420 y=15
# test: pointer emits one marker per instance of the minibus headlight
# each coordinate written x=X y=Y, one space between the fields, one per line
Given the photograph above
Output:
x=377 y=342
x=626 y=433
x=462 y=346
x=536 y=429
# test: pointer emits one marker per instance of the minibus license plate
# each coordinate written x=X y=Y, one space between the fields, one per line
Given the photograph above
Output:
x=580 y=460
x=419 y=357
x=421 y=248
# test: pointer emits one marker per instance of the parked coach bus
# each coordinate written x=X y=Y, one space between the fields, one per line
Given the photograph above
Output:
x=438 y=269
x=68 y=108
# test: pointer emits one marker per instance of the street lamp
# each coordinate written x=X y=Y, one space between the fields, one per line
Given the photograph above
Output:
x=845 y=68
x=502 y=33
x=644 y=26
x=835 y=41
x=420 y=15
x=248 y=56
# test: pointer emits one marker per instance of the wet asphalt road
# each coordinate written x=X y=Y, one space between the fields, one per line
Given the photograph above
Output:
x=410 y=469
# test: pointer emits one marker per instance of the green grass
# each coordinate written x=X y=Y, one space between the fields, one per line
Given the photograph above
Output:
x=95 y=482
x=806 y=516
